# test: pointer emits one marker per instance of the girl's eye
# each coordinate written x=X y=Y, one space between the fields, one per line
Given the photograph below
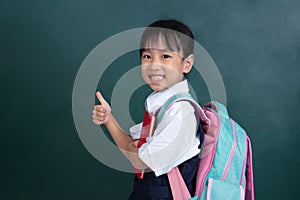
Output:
x=146 y=56
x=166 y=56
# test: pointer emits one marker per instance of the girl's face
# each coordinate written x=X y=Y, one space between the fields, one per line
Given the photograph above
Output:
x=162 y=68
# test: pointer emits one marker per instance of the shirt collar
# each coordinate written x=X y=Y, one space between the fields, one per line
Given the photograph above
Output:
x=157 y=99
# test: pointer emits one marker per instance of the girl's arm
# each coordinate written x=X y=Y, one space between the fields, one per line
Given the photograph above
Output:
x=102 y=115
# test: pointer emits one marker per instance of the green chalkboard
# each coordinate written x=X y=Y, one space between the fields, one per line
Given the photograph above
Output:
x=255 y=45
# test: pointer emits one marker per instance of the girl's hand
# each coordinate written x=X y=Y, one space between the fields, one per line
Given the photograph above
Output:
x=132 y=154
x=132 y=147
x=101 y=113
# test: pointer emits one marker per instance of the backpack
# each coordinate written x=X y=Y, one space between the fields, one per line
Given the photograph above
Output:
x=225 y=169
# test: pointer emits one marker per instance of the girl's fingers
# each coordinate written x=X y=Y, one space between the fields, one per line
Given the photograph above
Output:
x=100 y=108
x=99 y=114
x=135 y=143
x=96 y=122
x=98 y=117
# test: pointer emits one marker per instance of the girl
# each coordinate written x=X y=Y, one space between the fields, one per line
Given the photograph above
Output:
x=166 y=52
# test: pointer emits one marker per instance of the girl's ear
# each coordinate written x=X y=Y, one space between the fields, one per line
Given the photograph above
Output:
x=188 y=63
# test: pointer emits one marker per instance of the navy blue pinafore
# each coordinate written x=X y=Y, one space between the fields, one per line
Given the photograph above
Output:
x=158 y=188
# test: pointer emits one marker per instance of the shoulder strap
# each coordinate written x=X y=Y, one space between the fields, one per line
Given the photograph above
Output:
x=181 y=97
x=219 y=108
x=178 y=187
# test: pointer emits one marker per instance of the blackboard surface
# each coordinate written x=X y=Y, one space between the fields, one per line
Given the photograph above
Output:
x=255 y=44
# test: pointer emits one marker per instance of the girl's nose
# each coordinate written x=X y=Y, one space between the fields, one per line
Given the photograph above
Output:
x=155 y=66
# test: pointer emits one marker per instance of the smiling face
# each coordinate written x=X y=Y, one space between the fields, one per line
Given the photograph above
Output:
x=162 y=68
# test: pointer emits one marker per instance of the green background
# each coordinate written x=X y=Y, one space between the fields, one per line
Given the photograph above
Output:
x=255 y=44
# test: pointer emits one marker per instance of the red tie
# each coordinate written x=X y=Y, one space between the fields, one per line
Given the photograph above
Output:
x=147 y=131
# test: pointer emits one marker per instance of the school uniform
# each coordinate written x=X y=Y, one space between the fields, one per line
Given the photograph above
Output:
x=175 y=142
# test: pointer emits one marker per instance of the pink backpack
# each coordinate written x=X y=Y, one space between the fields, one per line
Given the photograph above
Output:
x=225 y=170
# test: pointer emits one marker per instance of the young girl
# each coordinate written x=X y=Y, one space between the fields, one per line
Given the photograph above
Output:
x=166 y=56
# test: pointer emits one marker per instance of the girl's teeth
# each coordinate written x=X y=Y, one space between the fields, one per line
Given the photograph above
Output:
x=157 y=78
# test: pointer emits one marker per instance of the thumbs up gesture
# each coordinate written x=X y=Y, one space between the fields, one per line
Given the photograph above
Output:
x=101 y=113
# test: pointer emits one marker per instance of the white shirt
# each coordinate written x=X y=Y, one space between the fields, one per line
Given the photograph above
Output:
x=174 y=140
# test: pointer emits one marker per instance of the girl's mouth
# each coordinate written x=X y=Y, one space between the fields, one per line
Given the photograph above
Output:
x=156 y=77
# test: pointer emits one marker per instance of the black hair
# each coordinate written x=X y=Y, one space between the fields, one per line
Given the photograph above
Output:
x=175 y=34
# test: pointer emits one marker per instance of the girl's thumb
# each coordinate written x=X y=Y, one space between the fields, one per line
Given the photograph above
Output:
x=100 y=98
